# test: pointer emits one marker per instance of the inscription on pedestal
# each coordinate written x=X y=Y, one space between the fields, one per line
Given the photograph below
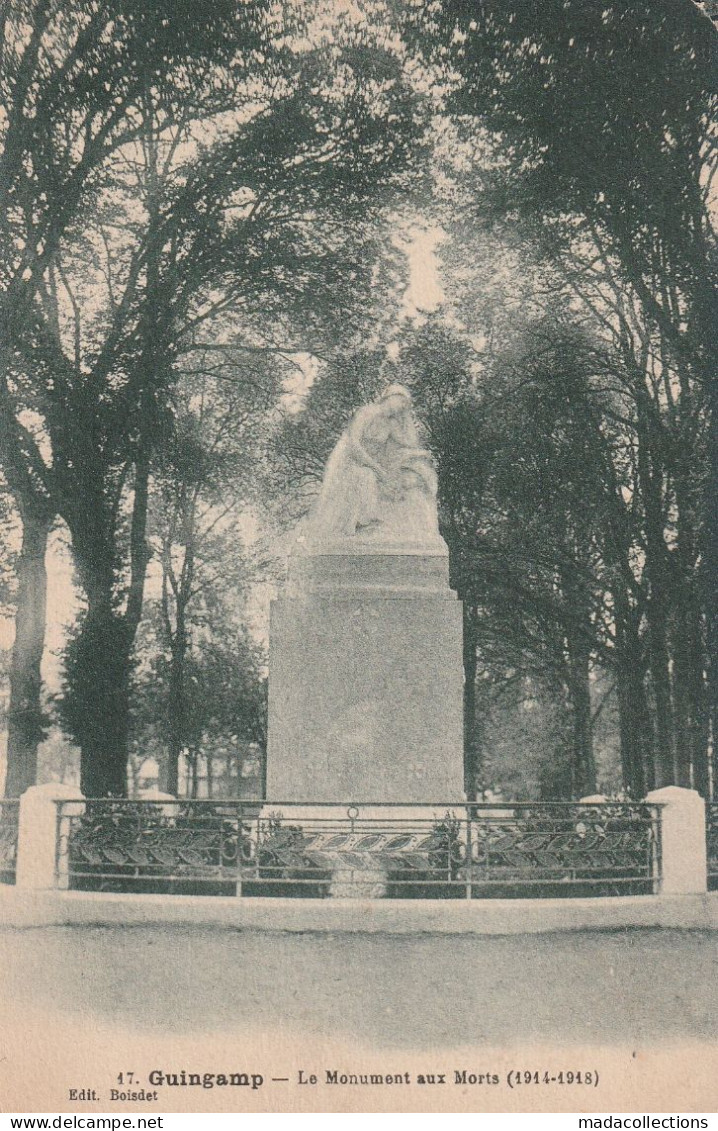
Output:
x=365 y=700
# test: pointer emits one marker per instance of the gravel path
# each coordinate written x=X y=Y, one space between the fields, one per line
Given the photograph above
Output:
x=647 y=986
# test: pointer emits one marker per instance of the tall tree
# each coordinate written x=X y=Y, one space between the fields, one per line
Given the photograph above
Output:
x=203 y=487
x=238 y=207
x=522 y=516
x=619 y=180
x=73 y=79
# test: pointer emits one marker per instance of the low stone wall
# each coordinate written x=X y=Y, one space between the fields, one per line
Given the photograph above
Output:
x=22 y=909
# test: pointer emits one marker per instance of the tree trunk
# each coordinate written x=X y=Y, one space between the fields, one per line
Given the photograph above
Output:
x=25 y=716
x=99 y=659
x=579 y=689
x=176 y=703
x=709 y=578
x=195 y=773
x=658 y=573
x=691 y=700
x=635 y=730
x=659 y=669
x=209 y=763
x=472 y=750
x=579 y=636
x=96 y=701
x=171 y=776
x=98 y=667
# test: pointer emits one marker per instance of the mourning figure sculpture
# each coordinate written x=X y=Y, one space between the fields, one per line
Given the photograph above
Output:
x=379 y=484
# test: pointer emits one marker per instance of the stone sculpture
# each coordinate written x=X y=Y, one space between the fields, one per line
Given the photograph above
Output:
x=365 y=653
x=379 y=485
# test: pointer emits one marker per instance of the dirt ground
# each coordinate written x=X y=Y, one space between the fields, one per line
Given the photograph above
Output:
x=629 y=987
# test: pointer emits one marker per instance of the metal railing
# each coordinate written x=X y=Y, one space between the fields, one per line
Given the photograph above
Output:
x=443 y=851
x=9 y=823
x=712 y=844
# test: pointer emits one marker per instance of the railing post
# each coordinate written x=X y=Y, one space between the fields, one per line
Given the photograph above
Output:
x=683 y=840
x=240 y=832
x=37 y=834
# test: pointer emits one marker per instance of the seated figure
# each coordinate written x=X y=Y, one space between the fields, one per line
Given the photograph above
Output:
x=379 y=484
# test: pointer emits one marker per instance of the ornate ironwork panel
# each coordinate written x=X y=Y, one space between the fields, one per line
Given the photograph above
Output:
x=461 y=851
x=606 y=844
x=413 y=846
x=128 y=841
x=9 y=815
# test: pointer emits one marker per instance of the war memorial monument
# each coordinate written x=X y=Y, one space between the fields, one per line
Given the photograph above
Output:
x=366 y=678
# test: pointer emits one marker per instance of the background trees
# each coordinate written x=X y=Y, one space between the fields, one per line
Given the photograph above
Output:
x=592 y=132
x=201 y=281
x=228 y=195
x=203 y=673
x=76 y=81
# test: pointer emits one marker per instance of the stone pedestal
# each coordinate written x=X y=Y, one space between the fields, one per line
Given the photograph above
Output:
x=366 y=680
x=684 y=868
x=40 y=863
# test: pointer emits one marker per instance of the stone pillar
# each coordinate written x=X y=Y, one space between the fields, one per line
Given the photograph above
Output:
x=37 y=859
x=683 y=840
x=366 y=680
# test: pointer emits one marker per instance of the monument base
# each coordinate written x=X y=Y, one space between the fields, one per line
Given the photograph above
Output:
x=353 y=883
x=366 y=682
